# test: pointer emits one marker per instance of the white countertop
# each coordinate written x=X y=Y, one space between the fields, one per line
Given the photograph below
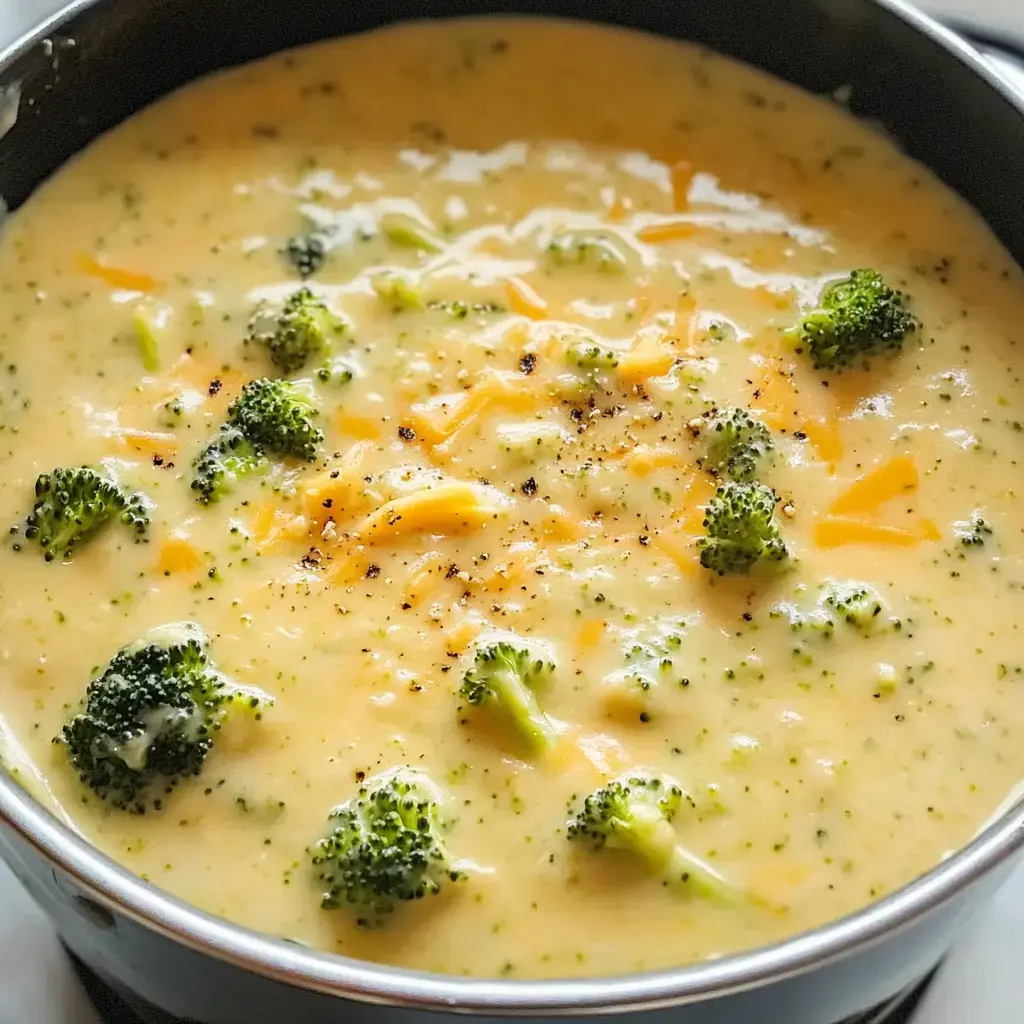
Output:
x=982 y=982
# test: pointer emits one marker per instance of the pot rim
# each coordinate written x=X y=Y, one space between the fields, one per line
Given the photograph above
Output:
x=289 y=963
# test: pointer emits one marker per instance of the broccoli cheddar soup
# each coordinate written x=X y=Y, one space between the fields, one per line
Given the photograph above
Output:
x=546 y=470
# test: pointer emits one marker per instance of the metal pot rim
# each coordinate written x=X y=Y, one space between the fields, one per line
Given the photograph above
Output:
x=344 y=977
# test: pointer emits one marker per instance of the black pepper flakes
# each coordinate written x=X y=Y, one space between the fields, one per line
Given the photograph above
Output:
x=215 y=385
x=407 y=433
x=527 y=363
x=529 y=487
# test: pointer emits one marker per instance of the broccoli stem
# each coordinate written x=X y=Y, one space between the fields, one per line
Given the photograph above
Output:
x=524 y=709
x=651 y=836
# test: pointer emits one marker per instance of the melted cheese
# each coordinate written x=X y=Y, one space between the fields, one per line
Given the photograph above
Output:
x=475 y=479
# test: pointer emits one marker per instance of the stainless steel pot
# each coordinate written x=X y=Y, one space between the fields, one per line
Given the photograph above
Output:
x=98 y=61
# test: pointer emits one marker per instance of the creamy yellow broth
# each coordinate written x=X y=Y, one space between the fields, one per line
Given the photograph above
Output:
x=821 y=777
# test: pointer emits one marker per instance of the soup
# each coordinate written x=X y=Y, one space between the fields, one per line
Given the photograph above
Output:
x=586 y=463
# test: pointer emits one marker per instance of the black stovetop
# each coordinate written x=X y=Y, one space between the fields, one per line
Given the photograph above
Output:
x=117 y=1009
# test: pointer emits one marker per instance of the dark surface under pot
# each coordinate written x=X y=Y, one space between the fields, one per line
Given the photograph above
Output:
x=115 y=56
x=126 y=1009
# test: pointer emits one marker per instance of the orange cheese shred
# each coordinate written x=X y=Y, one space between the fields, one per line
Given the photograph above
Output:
x=837 y=531
x=360 y=427
x=891 y=479
x=589 y=634
x=667 y=231
x=642 y=460
x=116 y=277
x=178 y=555
x=446 y=509
x=150 y=442
x=522 y=299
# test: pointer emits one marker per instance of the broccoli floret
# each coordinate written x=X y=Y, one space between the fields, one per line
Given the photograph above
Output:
x=269 y=417
x=385 y=846
x=741 y=529
x=335 y=373
x=737 y=445
x=150 y=718
x=856 y=604
x=589 y=249
x=589 y=355
x=307 y=253
x=840 y=603
x=973 y=532
x=217 y=469
x=404 y=230
x=649 y=664
x=398 y=290
x=279 y=416
x=634 y=812
x=507 y=672
x=300 y=330
x=71 y=507
x=855 y=318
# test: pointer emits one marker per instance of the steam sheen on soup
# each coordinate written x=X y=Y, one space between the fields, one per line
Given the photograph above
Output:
x=647 y=432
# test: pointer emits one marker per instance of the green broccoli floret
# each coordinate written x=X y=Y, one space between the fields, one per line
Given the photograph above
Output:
x=506 y=673
x=973 y=532
x=856 y=604
x=736 y=445
x=649 y=664
x=279 y=416
x=335 y=373
x=150 y=718
x=741 y=529
x=385 y=846
x=855 y=318
x=307 y=253
x=587 y=249
x=71 y=507
x=398 y=290
x=217 y=469
x=589 y=355
x=634 y=812
x=297 y=332
x=408 y=232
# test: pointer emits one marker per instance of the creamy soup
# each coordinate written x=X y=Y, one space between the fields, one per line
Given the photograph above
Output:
x=553 y=260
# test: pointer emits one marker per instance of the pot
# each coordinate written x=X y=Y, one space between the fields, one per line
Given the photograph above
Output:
x=98 y=61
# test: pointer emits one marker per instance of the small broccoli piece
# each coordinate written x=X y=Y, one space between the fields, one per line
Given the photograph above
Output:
x=741 y=529
x=385 y=846
x=634 y=812
x=855 y=318
x=840 y=603
x=410 y=233
x=299 y=331
x=973 y=532
x=398 y=290
x=335 y=373
x=217 y=469
x=71 y=507
x=279 y=416
x=533 y=440
x=307 y=253
x=737 y=445
x=148 y=339
x=649 y=664
x=587 y=249
x=589 y=355
x=507 y=672
x=856 y=604
x=150 y=718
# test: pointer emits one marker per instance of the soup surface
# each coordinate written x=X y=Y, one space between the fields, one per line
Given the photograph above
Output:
x=558 y=253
